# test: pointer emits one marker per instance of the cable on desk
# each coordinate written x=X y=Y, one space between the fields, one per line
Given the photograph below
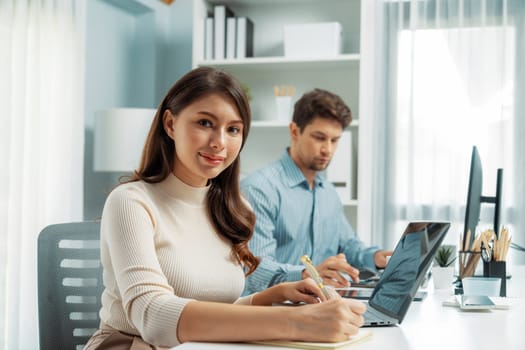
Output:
x=517 y=247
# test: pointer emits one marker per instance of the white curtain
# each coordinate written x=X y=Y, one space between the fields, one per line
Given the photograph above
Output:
x=41 y=146
x=446 y=75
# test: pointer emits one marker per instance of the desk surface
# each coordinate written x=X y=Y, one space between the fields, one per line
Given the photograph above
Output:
x=430 y=325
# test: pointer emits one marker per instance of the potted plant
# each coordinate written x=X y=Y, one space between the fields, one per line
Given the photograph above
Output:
x=445 y=255
x=247 y=91
x=443 y=269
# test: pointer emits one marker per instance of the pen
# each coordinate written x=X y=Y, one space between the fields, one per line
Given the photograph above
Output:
x=315 y=275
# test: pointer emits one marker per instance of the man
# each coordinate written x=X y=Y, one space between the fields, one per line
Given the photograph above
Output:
x=298 y=211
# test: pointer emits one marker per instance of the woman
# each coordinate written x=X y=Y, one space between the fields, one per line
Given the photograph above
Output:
x=174 y=237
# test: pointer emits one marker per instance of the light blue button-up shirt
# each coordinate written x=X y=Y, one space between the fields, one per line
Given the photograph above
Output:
x=292 y=220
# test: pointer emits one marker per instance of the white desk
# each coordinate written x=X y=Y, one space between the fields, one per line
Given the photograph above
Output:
x=429 y=325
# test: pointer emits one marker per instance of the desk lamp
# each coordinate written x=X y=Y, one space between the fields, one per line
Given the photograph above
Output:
x=120 y=134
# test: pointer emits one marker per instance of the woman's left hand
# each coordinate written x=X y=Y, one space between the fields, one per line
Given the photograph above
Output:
x=305 y=291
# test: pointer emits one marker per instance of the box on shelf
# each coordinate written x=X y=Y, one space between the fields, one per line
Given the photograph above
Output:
x=313 y=39
x=339 y=173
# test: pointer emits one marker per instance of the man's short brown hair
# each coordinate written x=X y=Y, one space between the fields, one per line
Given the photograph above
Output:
x=323 y=104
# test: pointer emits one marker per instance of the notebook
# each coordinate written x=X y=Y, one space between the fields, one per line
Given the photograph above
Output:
x=359 y=337
x=404 y=273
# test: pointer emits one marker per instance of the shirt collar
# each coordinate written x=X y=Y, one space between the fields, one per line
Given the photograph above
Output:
x=294 y=175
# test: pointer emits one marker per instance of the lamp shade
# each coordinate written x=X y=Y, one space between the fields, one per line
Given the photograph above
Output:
x=120 y=134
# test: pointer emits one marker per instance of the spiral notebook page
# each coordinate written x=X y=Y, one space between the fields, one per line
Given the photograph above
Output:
x=359 y=337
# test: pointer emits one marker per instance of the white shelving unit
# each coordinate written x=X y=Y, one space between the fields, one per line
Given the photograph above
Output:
x=339 y=74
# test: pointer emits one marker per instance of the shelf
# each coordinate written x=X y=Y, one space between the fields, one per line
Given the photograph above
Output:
x=267 y=2
x=269 y=124
x=269 y=67
x=283 y=124
x=345 y=61
x=350 y=203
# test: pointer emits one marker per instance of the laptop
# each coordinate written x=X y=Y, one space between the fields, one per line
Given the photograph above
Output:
x=404 y=273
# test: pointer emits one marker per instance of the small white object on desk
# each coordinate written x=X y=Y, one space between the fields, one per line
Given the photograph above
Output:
x=500 y=303
x=474 y=302
x=488 y=286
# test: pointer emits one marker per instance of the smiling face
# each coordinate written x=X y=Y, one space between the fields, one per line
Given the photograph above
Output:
x=207 y=136
x=313 y=149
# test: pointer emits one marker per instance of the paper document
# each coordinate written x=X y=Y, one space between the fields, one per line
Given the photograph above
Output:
x=359 y=337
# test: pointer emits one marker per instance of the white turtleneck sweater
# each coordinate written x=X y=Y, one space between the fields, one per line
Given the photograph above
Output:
x=160 y=250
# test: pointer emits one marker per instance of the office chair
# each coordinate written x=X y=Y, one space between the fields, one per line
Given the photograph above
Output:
x=69 y=284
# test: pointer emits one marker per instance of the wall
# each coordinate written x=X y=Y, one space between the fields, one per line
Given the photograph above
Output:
x=135 y=50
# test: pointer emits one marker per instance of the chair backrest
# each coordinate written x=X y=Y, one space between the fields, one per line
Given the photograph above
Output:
x=69 y=284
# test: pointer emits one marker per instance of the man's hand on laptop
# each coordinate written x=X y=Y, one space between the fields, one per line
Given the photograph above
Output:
x=381 y=258
x=331 y=271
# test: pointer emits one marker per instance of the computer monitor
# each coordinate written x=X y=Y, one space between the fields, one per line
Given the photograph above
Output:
x=475 y=198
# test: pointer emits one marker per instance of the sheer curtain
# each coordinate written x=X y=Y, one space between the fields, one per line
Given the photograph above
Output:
x=445 y=76
x=41 y=146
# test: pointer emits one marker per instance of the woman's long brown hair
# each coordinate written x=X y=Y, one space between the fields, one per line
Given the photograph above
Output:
x=230 y=215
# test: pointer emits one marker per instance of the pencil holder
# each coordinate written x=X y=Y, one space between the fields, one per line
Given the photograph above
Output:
x=497 y=269
x=283 y=105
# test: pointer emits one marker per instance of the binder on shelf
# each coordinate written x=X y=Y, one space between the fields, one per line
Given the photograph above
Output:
x=220 y=13
x=231 y=25
x=208 y=38
x=339 y=173
x=244 y=37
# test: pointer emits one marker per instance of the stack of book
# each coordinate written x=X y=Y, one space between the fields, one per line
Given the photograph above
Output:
x=227 y=36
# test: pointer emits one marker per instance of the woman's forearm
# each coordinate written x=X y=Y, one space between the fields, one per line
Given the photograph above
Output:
x=205 y=321
x=269 y=296
x=330 y=321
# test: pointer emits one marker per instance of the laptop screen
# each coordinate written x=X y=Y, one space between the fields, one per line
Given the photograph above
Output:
x=407 y=267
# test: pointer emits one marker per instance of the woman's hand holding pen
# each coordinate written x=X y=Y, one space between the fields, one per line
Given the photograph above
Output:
x=330 y=270
x=334 y=320
x=306 y=291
